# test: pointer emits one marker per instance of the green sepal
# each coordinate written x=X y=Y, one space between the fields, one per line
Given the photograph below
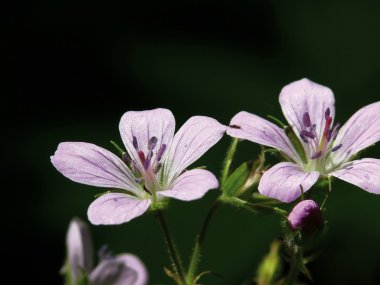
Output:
x=270 y=267
x=296 y=143
x=236 y=180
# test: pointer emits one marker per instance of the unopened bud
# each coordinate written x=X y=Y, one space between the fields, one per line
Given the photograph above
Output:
x=306 y=216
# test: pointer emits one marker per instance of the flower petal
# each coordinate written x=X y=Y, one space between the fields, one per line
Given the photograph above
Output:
x=255 y=129
x=359 y=132
x=79 y=248
x=283 y=181
x=116 y=208
x=134 y=263
x=303 y=96
x=92 y=165
x=192 y=140
x=191 y=185
x=143 y=125
x=124 y=269
x=364 y=173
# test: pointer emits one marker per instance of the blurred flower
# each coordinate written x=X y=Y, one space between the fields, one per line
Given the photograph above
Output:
x=306 y=216
x=122 y=269
x=151 y=169
x=313 y=146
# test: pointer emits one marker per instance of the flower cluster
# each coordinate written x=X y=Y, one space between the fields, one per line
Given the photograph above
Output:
x=154 y=168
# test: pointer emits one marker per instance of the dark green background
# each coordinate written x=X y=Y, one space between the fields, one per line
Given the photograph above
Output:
x=73 y=68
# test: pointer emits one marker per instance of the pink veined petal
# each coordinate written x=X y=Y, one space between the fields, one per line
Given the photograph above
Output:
x=79 y=248
x=143 y=125
x=116 y=208
x=255 y=129
x=113 y=272
x=359 y=132
x=92 y=165
x=193 y=139
x=303 y=96
x=191 y=185
x=283 y=180
x=364 y=173
x=133 y=262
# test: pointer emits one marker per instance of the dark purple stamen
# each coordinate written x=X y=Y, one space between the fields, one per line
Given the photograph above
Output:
x=313 y=128
x=157 y=168
x=135 y=144
x=334 y=132
x=328 y=136
x=126 y=158
x=316 y=155
x=161 y=152
x=146 y=163
x=152 y=143
x=304 y=138
x=327 y=113
x=138 y=180
x=335 y=148
x=307 y=134
x=306 y=120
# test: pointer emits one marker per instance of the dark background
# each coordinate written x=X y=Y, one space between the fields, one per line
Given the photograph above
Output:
x=72 y=68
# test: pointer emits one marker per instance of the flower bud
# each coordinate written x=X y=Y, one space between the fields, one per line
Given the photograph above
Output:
x=306 y=216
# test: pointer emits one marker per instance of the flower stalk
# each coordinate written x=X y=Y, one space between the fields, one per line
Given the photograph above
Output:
x=173 y=253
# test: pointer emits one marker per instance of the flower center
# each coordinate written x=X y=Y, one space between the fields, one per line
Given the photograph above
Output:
x=319 y=148
x=147 y=169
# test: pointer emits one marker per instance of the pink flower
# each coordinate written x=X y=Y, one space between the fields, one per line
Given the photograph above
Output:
x=152 y=169
x=309 y=109
x=123 y=269
x=306 y=216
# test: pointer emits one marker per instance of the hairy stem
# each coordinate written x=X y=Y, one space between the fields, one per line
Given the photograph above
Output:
x=228 y=160
x=293 y=273
x=173 y=254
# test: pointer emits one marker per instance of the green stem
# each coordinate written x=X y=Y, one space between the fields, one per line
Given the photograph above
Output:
x=174 y=256
x=293 y=273
x=239 y=202
x=228 y=160
x=196 y=255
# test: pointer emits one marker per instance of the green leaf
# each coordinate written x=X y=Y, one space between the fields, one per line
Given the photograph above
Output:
x=236 y=180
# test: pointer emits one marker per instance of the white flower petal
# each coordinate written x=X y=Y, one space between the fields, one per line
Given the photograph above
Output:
x=283 y=181
x=364 y=173
x=191 y=185
x=192 y=140
x=143 y=125
x=255 y=129
x=92 y=165
x=359 y=132
x=116 y=208
x=79 y=248
x=303 y=96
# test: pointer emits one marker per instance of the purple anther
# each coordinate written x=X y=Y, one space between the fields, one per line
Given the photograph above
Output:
x=161 y=152
x=334 y=132
x=328 y=136
x=306 y=120
x=152 y=143
x=126 y=158
x=146 y=163
x=157 y=168
x=335 y=148
x=327 y=113
x=307 y=134
x=304 y=138
x=135 y=144
x=316 y=154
